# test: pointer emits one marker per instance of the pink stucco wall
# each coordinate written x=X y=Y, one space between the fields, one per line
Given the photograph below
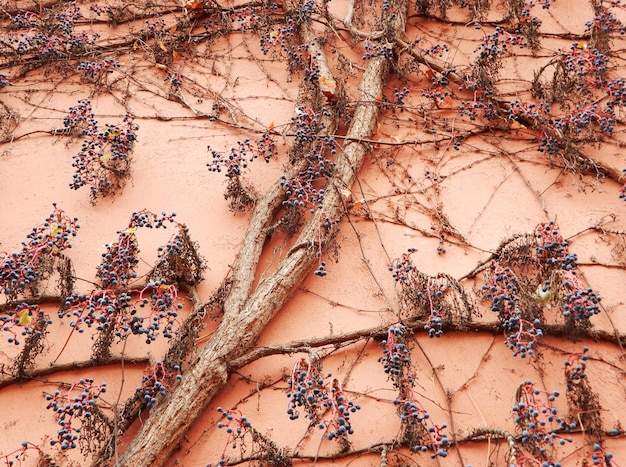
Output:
x=410 y=193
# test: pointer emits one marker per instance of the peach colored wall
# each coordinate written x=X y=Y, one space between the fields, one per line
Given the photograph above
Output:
x=496 y=186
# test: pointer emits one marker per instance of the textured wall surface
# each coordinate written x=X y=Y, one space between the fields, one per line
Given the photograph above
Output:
x=456 y=290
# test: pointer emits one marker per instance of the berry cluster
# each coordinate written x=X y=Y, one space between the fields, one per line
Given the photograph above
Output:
x=537 y=420
x=378 y=49
x=504 y=293
x=584 y=403
x=116 y=313
x=307 y=124
x=164 y=307
x=233 y=417
x=527 y=23
x=437 y=93
x=496 y=44
x=437 y=49
x=605 y=22
x=98 y=68
x=338 y=422
x=104 y=159
x=387 y=8
x=399 y=96
x=150 y=220
x=583 y=117
x=236 y=425
x=282 y=36
x=476 y=7
x=318 y=152
x=112 y=309
x=19 y=454
x=154 y=25
x=537 y=113
x=101 y=308
x=120 y=259
x=102 y=9
x=396 y=354
x=439 y=89
x=26 y=20
x=156 y=382
x=24 y=269
x=523 y=335
x=552 y=247
x=325 y=402
x=68 y=407
x=80 y=117
x=23 y=321
x=305 y=9
x=552 y=250
x=437 y=440
x=615 y=90
x=582 y=123
x=403 y=267
x=490 y=53
x=298 y=55
x=251 y=20
x=550 y=143
x=299 y=58
x=441 y=248
x=300 y=193
x=581 y=302
x=66 y=19
x=4 y=81
x=46 y=36
x=420 y=431
x=326 y=222
x=239 y=157
x=216 y=110
x=582 y=86
x=525 y=16
x=214 y=21
x=481 y=105
x=321 y=269
x=307 y=388
x=598 y=456
x=434 y=293
x=117 y=267
x=585 y=62
x=574 y=368
x=175 y=78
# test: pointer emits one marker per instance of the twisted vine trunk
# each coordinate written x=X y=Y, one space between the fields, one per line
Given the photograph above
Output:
x=247 y=312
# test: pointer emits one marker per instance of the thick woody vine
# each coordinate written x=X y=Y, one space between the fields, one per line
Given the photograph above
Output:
x=532 y=285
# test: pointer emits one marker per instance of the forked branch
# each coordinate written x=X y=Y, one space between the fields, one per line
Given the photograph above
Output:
x=245 y=314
